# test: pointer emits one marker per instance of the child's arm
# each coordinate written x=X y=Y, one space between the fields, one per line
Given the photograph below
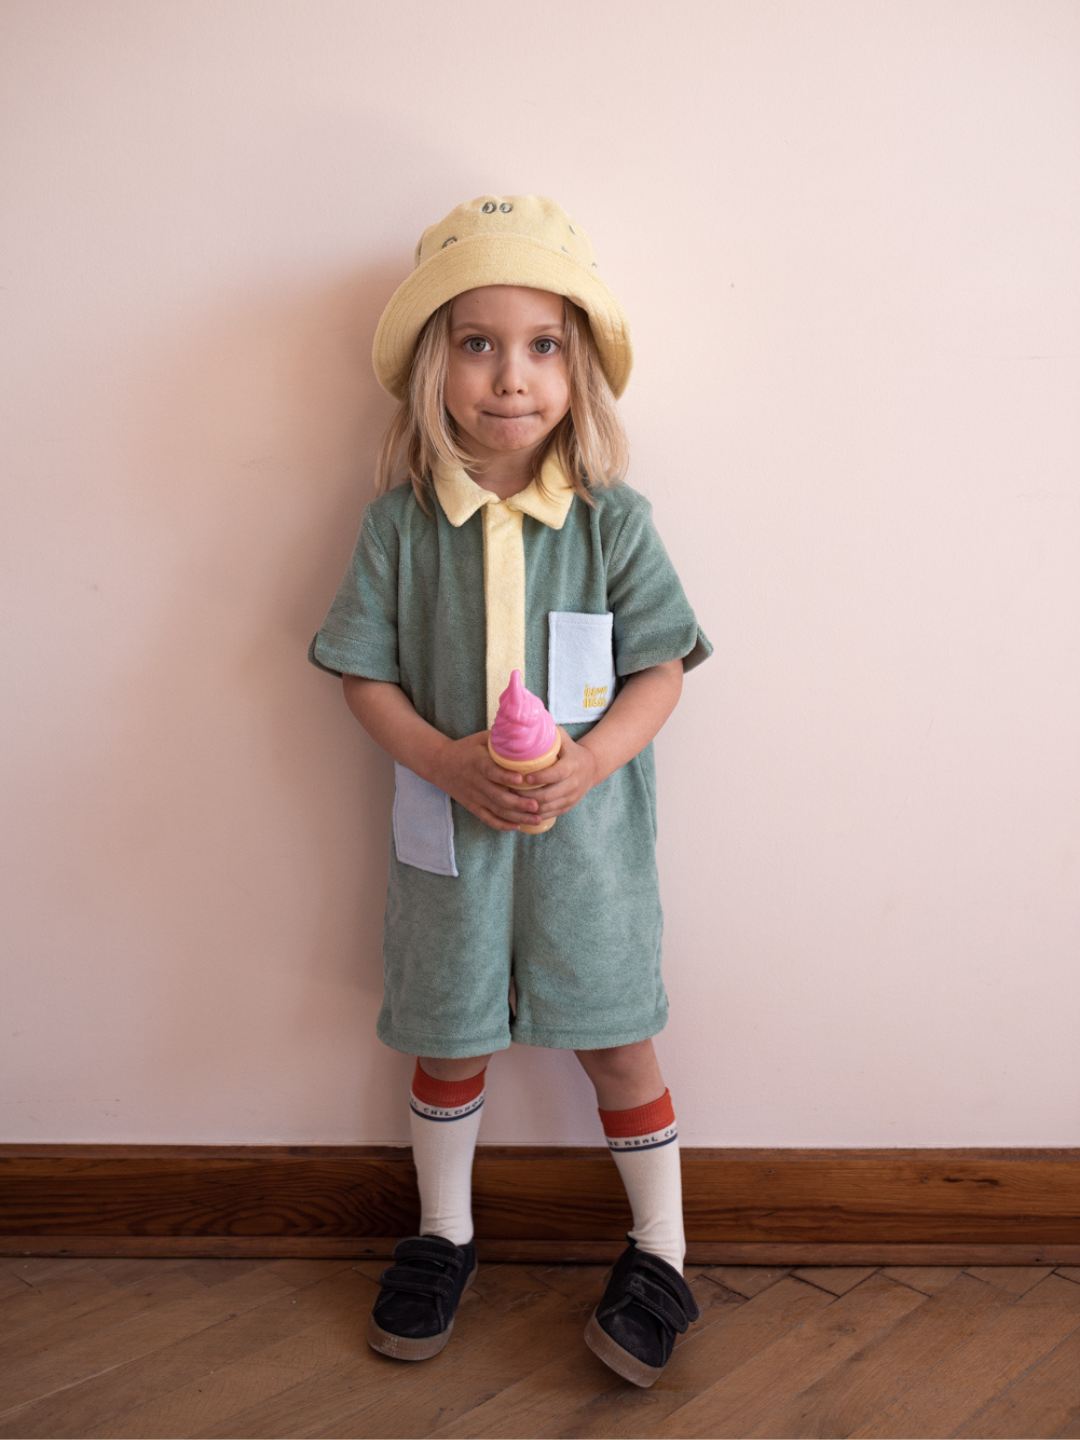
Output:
x=645 y=701
x=463 y=768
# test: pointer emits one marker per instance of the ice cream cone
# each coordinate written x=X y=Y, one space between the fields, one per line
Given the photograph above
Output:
x=525 y=738
x=527 y=767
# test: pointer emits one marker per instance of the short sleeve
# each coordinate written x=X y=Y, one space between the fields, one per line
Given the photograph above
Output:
x=359 y=635
x=653 y=619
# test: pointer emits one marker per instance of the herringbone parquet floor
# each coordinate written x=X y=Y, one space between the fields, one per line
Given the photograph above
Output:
x=146 y=1348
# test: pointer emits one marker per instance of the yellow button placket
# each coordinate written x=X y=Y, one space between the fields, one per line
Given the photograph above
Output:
x=504 y=598
x=549 y=503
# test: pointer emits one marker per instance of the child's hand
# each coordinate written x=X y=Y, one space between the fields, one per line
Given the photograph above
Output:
x=467 y=772
x=566 y=782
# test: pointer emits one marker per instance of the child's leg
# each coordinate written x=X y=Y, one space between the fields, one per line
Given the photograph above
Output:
x=639 y=1123
x=444 y=1114
x=419 y=1293
x=647 y=1302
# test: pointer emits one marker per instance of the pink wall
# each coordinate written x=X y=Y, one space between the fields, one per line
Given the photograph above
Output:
x=847 y=238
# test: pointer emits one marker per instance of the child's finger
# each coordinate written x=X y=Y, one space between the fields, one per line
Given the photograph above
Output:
x=557 y=799
x=549 y=776
x=507 y=795
x=498 y=776
x=522 y=807
x=492 y=818
x=514 y=807
x=545 y=790
x=496 y=824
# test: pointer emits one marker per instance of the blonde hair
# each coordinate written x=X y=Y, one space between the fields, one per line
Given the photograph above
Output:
x=589 y=442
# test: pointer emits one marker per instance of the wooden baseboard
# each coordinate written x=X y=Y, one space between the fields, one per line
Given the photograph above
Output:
x=545 y=1203
x=532 y=1252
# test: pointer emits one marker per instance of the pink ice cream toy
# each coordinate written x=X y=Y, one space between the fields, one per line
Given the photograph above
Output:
x=524 y=738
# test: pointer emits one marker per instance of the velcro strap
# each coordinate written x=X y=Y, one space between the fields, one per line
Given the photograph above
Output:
x=639 y=1289
x=671 y=1281
x=417 y=1282
x=420 y=1248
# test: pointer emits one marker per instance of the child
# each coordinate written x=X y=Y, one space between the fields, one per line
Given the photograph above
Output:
x=515 y=548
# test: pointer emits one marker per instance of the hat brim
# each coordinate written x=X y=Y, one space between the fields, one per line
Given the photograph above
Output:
x=497 y=260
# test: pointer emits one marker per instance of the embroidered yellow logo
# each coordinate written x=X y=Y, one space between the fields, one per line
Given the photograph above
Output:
x=595 y=697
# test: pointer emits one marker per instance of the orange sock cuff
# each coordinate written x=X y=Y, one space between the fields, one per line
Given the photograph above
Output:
x=446 y=1094
x=657 y=1117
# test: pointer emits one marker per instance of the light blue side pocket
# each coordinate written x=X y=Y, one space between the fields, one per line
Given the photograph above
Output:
x=423 y=824
x=581 y=666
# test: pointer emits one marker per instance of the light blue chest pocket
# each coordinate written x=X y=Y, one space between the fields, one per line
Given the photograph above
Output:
x=581 y=666
x=423 y=824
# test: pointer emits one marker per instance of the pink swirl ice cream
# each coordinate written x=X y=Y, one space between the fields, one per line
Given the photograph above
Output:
x=523 y=729
x=524 y=738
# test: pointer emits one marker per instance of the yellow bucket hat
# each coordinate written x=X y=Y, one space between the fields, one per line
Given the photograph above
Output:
x=500 y=240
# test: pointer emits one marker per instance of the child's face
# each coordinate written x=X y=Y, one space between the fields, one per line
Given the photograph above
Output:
x=506 y=382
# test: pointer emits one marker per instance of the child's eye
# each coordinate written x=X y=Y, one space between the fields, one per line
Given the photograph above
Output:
x=546 y=346
x=476 y=344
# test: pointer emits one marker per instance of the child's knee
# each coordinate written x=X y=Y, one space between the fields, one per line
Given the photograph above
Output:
x=619 y=1062
x=463 y=1069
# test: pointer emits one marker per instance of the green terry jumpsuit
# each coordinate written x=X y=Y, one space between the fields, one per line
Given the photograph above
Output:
x=574 y=914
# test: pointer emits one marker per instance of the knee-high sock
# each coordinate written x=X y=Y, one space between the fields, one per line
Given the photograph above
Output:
x=644 y=1144
x=444 y=1117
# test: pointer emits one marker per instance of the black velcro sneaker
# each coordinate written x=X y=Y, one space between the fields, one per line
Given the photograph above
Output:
x=414 y=1314
x=646 y=1304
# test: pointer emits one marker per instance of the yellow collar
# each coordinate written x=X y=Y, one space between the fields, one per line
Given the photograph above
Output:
x=461 y=497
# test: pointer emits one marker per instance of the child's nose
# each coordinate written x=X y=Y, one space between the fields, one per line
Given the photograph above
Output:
x=511 y=375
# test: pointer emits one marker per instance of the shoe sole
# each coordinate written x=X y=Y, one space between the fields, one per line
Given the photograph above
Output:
x=404 y=1347
x=616 y=1358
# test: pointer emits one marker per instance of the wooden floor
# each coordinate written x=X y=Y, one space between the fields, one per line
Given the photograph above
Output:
x=275 y=1348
